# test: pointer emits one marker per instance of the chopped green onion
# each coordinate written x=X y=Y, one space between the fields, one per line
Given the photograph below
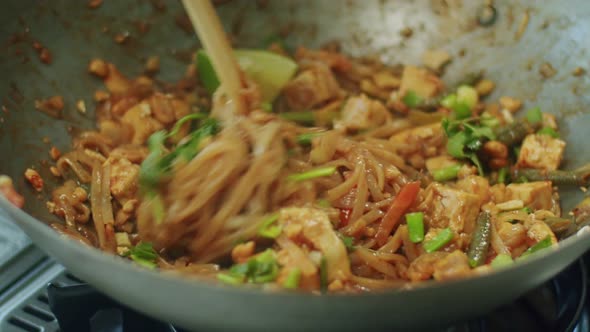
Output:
x=415 y=223
x=305 y=139
x=314 y=173
x=439 y=241
x=293 y=278
x=158 y=163
x=545 y=243
x=467 y=95
x=502 y=260
x=548 y=131
x=304 y=117
x=449 y=101
x=411 y=99
x=534 y=115
x=230 y=279
x=259 y=269
x=347 y=240
x=185 y=119
x=323 y=275
x=143 y=254
x=462 y=110
x=488 y=120
x=322 y=202
x=206 y=72
x=527 y=210
x=502 y=175
x=447 y=173
x=266 y=106
x=460 y=105
x=267 y=229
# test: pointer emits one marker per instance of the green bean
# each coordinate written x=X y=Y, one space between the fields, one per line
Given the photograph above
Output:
x=559 y=177
x=515 y=132
x=478 y=249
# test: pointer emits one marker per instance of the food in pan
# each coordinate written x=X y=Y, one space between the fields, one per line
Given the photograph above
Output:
x=345 y=175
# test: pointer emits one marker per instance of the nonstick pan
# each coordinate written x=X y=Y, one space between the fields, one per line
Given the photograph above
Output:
x=525 y=36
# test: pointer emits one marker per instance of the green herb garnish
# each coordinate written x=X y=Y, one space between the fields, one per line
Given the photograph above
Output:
x=548 y=131
x=259 y=269
x=534 y=115
x=143 y=254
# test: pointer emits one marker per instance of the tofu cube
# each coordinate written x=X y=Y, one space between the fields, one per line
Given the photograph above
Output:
x=453 y=208
x=536 y=195
x=541 y=152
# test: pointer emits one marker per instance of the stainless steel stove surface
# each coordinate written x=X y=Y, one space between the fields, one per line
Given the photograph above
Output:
x=559 y=305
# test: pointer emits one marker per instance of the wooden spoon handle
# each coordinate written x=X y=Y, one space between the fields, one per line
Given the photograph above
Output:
x=210 y=31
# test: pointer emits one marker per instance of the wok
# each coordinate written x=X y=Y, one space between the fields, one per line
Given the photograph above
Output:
x=556 y=33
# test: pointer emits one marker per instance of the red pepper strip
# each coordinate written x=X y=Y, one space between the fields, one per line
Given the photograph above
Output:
x=401 y=203
x=344 y=216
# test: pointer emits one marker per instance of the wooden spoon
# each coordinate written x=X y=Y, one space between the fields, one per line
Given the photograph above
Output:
x=210 y=31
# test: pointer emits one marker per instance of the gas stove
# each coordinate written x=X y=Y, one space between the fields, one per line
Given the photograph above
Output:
x=38 y=295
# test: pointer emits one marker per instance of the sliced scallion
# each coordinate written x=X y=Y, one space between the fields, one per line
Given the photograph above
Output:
x=305 y=139
x=144 y=254
x=502 y=260
x=347 y=240
x=411 y=99
x=230 y=279
x=183 y=120
x=447 y=173
x=439 y=241
x=268 y=229
x=266 y=106
x=415 y=223
x=312 y=174
x=293 y=279
x=545 y=243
